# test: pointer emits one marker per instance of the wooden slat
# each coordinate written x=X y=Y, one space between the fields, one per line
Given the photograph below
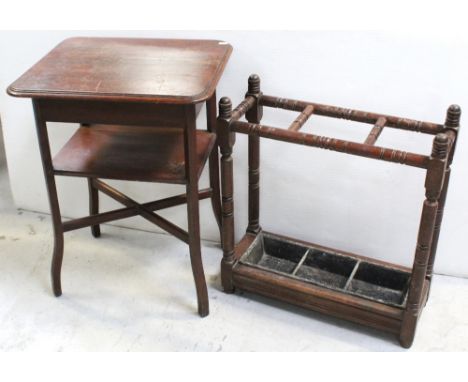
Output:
x=352 y=115
x=376 y=131
x=302 y=118
x=242 y=108
x=353 y=148
x=127 y=212
x=144 y=212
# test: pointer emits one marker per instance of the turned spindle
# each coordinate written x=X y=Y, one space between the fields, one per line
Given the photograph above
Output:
x=254 y=115
x=452 y=124
x=433 y=184
x=226 y=142
x=453 y=116
x=225 y=108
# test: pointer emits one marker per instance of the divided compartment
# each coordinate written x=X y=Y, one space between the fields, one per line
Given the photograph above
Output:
x=346 y=274
x=300 y=261
x=380 y=283
x=326 y=269
x=274 y=254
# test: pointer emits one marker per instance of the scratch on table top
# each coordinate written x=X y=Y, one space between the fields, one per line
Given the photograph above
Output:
x=98 y=85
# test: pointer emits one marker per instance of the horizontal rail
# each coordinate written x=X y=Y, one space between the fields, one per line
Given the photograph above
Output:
x=376 y=131
x=242 y=108
x=128 y=212
x=352 y=115
x=353 y=148
x=302 y=118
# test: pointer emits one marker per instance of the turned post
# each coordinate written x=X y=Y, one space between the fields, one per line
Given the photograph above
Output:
x=254 y=115
x=433 y=184
x=451 y=126
x=226 y=141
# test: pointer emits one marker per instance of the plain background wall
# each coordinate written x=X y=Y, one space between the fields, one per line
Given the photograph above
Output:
x=355 y=204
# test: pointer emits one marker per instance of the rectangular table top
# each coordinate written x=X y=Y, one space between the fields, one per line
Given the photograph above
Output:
x=127 y=69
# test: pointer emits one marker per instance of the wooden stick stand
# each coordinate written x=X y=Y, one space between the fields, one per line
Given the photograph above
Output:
x=363 y=290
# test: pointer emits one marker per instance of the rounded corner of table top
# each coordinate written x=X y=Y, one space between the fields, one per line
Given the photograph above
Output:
x=225 y=44
x=11 y=91
x=15 y=90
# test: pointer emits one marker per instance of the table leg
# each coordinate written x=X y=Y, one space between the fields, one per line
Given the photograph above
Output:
x=94 y=206
x=47 y=166
x=193 y=211
x=214 y=161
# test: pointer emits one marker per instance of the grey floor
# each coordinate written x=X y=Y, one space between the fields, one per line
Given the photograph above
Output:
x=133 y=291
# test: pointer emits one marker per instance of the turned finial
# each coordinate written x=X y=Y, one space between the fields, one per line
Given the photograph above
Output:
x=440 y=146
x=453 y=116
x=254 y=84
x=225 y=108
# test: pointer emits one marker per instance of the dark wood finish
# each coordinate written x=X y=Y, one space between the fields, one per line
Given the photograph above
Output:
x=226 y=142
x=248 y=102
x=94 y=206
x=433 y=185
x=142 y=211
x=301 y=118
x=376 y=131
x=137 y=101
x=190 y=150
x=452 y=124
x=254 y=115
x=128 y=212
x=112 y=113
x=352 y=115
x=249 y=266
x=44 y=147
x=128 y=69
x=214 y=160
x=333 y=144
x=387 y=318
x=125 y=152
x=311 y=297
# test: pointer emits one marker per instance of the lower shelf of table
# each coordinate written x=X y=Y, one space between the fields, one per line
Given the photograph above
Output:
x=345 y=285
x=130 y=153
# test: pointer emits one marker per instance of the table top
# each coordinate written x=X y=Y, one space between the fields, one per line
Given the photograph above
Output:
x=127 y=69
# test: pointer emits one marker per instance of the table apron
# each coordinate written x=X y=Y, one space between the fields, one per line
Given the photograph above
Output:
x=104 y=112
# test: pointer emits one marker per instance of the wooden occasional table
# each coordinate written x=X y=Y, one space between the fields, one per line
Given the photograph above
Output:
x=137 y=101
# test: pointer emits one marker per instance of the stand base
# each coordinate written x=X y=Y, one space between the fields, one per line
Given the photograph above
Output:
x=344 y=285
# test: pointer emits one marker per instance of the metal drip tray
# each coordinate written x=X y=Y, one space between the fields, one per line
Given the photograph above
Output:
x=344 y=273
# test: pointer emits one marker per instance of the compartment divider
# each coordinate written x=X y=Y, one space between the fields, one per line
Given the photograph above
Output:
x=299 y=264
x=351 y=276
